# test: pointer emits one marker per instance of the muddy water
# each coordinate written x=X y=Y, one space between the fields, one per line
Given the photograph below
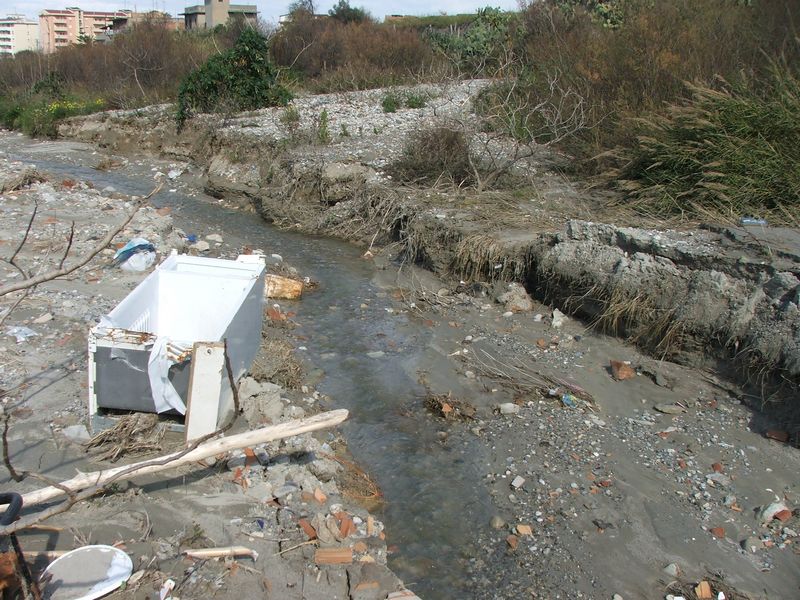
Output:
x=432 y=490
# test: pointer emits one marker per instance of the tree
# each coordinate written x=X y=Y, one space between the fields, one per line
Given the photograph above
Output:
x=302 y=7
x=242 y=78
x=345 y=13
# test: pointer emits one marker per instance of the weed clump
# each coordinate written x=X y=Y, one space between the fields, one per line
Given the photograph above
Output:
x=433 y=155
x=242 y=78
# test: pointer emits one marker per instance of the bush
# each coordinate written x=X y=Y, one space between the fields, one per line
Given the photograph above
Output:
x=638 y=64
x=390 y=102
x=328 y=55
x=416 y=100
x=430 y=155
x=732 y=150
x=242 y=78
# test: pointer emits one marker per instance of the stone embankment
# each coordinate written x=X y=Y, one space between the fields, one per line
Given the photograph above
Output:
x=720 y=295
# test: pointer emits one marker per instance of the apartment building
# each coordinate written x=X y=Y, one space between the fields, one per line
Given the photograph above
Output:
x=17 y=34
x=217 y=12
x=59 y=28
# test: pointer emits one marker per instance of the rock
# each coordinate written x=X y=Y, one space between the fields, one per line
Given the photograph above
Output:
x=202 y=246
x=523 y=529
x=559 y=318
x=497 y=522
x=323 y=469
x=752 y=544
x=508 y=408
x=376 y=354
x=770 y=511
x=672 y=570
x=669 y=409
x=516 y=299
x=616 y=597
x=621 y=370
x=512 y=542
x=518 y=482
x=214 y=237
x=76 y=433
x=719 y=479
x=43 y=318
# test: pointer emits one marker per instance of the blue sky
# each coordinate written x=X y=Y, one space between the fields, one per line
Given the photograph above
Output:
x=268 y=10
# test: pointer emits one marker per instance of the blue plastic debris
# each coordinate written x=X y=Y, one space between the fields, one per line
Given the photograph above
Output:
x=135 y=246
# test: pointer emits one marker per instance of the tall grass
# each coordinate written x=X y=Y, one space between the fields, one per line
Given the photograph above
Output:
x=733 y=149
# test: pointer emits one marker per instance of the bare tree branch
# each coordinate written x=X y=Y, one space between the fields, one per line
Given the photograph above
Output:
x=62 y=271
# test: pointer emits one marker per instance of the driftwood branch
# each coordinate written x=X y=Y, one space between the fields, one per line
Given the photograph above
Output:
x=22 y=243
x=86 y=485
x=63 y=271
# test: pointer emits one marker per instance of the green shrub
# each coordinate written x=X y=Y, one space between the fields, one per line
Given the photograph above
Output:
x=732 y=150
x=390 y=102
x=416 y=99
x=242 y=78
x=290 y=117
x=323 y=132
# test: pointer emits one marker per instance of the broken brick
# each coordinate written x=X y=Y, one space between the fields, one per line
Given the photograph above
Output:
x=333 y=556
x=717 y=467
x=320 y=496
x=778 y=435
x=512 y=542
x=703 y=591
x=346 y=526
x=308 y=528
x=367 y=585
x=718 y=532
x=360 y=547
x=622 y=371
x=783 y=515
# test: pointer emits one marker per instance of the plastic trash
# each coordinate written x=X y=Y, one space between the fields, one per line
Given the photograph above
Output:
x=139 y=262
x=191 y=238
x=21 y=333
x=133 y=249
x=752 y=221
x=86 y=573
x=568 y=400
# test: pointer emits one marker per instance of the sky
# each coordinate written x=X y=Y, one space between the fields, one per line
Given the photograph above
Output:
x=268 y=10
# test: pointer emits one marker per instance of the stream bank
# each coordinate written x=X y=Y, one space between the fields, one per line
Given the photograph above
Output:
x=719 y=296
x=604 y=483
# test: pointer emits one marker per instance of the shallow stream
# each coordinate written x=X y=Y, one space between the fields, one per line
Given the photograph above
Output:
x=433 y=495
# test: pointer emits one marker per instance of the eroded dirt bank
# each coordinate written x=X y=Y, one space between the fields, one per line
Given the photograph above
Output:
x=723 y=295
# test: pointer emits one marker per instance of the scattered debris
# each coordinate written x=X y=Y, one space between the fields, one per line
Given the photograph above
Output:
x=622 y=370
x=449 y=408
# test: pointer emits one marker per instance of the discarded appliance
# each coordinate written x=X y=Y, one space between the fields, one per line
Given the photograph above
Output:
x=161 y=349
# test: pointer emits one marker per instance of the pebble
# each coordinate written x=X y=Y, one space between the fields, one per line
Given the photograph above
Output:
x=672 y=570
x=669 y=409
x=497 y=522
x=518 y=482
x=202 y=246
x=508 y=408
x=214 y=237
x=559 y=318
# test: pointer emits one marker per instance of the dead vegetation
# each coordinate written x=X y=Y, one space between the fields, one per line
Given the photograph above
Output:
x=276 y=362
x=483 y=257
x=449 y=408
x=137 y=433
x=713 y=586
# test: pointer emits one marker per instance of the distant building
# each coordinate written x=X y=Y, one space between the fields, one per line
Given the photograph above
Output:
x=217 y=12
x=17 y=34
x=60 y=28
